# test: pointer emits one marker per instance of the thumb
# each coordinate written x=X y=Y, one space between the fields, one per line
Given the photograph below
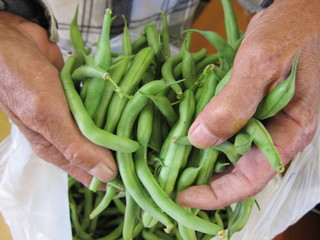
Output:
x=229 y=110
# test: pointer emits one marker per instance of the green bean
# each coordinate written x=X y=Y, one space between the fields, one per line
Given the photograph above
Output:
x=207 y=237
x=71 y=182
x=126 y=41
x=120 y=205
x=156 y=139
x=94 y=222
x=237 y=44
x=148 y=77
x=209 y=86
x=210 y=59
x=150 y=236
x=187 y=178
x=224 y=49
x=109 y=194
x=85 y=123
x=148 y=221
x=240 y=216
x=223 y=81
x=163 y=235
x=102 y=58
x=230 y=21
x=165 y=38
x=116 y=71
x=167 y=73
x=218 y=219
x=84 y=90
x=76 y=39
x=188 y=66
x=153 y=37
x=94 y=184
x=207 y=160
x=167 y=204
x=117 y=183
x=280 y=96
x=134 y=187
x=220 y=166
x=263 y=140
x=129 y=217
x=242 y=142
x=74 y=217
x=165 y=107
x=172 y=153
x=89 y=71
x=197 y=56
x=128 y=83
x=139 y=44
x=88 y=199
x=115 y=234
x=144 y=132
x=229 y=150
x=186 y=233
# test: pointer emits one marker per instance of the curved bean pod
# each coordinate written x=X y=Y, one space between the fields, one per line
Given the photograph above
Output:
x=167 y=204
x=128 y=84
x=84 y=121
x=280 y=96
x=263 y=140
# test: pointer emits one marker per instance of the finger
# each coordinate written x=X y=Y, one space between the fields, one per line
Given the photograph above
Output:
x=249 y=177
x=49 y=153
x=43 y=108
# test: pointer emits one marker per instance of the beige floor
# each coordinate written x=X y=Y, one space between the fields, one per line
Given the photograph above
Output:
x=4 y=132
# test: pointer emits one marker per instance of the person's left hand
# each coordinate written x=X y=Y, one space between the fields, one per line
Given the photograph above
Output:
x=263 y=60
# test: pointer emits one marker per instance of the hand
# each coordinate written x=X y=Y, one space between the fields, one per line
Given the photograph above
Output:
x=263 y=60
x=32 y=96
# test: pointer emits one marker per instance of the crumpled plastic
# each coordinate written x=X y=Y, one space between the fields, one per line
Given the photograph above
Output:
x=33 y=193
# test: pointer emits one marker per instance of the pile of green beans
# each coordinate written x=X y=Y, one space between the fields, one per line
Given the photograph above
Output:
x=140 y=103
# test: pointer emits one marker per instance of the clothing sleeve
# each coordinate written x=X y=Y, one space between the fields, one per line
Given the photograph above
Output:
x=37 y=11
x=255 y=5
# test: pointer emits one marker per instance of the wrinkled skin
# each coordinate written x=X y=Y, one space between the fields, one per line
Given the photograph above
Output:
x=265 y=57
x=32 y=96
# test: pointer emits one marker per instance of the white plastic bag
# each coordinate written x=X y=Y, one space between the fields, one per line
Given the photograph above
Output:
x=33 y=193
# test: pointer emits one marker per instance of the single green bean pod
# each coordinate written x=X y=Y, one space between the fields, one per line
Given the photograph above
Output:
x=242 y=143
x=172 y=153
x=126 y=41
x=167 y=73
x=188 y=66
x=280 y=96
x=263 y=140
x=165 y=107
x=224 y=49
x=229 y=150
x=165 y=37
x=109 y=194
x=128 y=84
x=84 y=121
x=231 y=23
x=130 y=218
x=240 y=216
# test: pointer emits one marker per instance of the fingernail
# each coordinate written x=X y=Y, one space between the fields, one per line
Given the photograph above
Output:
x=201 y=137
x=102 y=172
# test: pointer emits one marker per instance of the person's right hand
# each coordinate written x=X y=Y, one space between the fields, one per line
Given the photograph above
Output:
x=32 y=96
